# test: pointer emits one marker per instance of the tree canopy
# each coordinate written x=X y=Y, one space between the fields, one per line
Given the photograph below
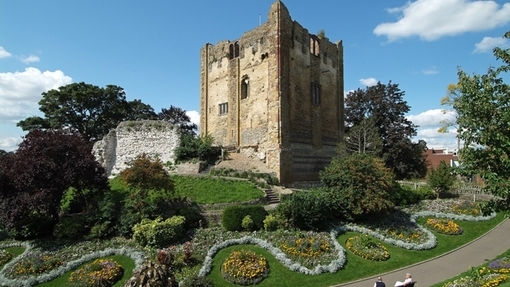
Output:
x=179 y=118
x=35 y=177
x=385 y=105
x=90 y=110
x=482 y=103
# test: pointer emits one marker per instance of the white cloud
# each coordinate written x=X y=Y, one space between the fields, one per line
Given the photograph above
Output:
x=194 y=116
x=430 y=71
x=429 y=123
x=432 y=118
x=489 y=43
x=30 y=59
x=20 y=93
x=369 y=82
x=4 y=53
x=433 y=19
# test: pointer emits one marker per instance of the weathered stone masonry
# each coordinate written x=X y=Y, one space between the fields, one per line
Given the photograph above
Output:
x=278 y=91
x=132 y=138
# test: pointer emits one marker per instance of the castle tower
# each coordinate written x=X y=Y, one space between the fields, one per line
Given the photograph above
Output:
x=277 y=92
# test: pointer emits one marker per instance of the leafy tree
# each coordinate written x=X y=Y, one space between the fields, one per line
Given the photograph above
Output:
x=197 y=147
x=362 y=182
x=362 y=138
x=483 y=117
x=150 y=185
x=90 y=110
x=441 y=179
x=385 y=104
x=140 y=111
x=178 y=117
x=34 y=179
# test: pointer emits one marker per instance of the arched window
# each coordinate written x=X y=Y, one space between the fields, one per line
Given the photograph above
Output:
x=314 y=45
x=245 y=88
x=236 y=49
x=233 y=51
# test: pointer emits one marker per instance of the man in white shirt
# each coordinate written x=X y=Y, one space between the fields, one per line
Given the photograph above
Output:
x=406 y=281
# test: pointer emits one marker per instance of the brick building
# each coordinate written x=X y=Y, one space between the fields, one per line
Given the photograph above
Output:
x=275 y=93
x=435 y=156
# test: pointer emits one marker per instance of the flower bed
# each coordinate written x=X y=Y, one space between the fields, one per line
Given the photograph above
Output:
x=36 y=263
x=245 y=267
x=5 y=256
x=444 y=226
x=100 y=273
x=365 y=248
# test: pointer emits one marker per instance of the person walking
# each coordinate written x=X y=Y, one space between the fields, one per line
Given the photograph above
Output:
x=379 y=282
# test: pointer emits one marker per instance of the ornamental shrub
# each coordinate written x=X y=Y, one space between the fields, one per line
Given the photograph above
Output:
x=233 y=216
x=159 y=233
x=270 y=223
x=309 y=210
x=441 y=178
x=197 y=281
x=247 y=223
x=192 y=215
x=71 y=227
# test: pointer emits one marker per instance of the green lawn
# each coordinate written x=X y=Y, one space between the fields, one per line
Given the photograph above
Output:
x=356 y=267
x=209 y=190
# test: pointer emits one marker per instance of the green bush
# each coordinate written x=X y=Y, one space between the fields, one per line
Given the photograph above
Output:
x=192 y=215
x=309 y=210
x=233 y=216
x=247 y=223
x=270 y=223
x=362 y=183
x=159 y=233
x=196 y=281
x=71 y=227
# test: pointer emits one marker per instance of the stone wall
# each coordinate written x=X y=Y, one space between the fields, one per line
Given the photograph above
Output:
x=132 y=138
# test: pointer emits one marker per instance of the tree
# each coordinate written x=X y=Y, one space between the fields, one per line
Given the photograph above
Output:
x=34 y=179
x=363 y=183
x=385 y=105
x=149 y=184
x=483 y=117
x=362 y=138
x=441 y=179
x=178 y=117
x=87 y=109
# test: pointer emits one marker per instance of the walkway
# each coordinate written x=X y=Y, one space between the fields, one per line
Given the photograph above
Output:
x=427 y=273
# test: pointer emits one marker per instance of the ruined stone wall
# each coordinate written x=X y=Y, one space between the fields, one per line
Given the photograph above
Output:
x=132 y=138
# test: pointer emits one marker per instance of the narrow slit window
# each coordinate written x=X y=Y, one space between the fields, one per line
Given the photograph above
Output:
x=245 y=88
x=316 y=94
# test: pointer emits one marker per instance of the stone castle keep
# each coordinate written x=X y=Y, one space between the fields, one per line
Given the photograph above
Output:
x=276 y=92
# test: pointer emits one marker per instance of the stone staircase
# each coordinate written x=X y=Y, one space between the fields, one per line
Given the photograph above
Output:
x=272 y=197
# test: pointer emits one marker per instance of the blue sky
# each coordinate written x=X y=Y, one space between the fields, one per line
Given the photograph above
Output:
x=151 y=48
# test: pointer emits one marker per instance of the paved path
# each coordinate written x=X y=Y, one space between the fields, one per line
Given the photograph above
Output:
x=449 y=265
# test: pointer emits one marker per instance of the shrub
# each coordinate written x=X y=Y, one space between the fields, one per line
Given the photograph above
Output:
x=270 y=223
x=197 y=281
x=441 y=179
x=192 y=215
x=159 y=233
x=308 y=210
x=71 y=227
x=247 y=223
x=233 y=216
x=362 y=183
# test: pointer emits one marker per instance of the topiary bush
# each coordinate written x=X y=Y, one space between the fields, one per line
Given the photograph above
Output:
x=159 y=233
x=247 y=223
x=270 y=223
x=233 y=216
